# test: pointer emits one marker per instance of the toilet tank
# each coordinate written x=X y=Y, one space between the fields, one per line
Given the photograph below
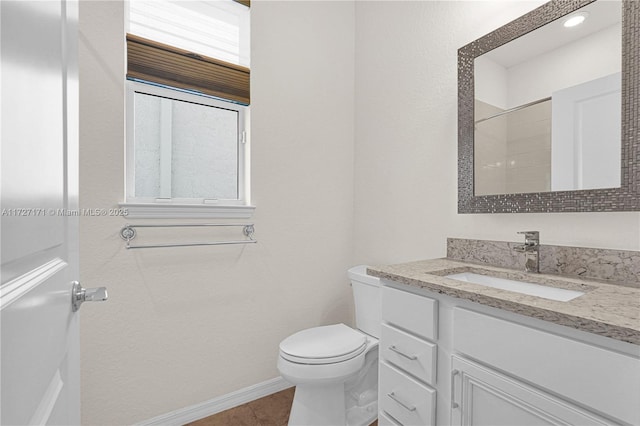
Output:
x=366 y=294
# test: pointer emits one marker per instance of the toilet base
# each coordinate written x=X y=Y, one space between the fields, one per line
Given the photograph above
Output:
x=362 y=416
x=325 y=406
x=318 y=405
x=353 y=402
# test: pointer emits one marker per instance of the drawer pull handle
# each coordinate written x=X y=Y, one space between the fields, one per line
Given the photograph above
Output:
x=393 y=396
x=454 y=404
x=399 y=352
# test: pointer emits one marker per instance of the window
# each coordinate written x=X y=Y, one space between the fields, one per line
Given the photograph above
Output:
x=187 y=148
x=186 y=111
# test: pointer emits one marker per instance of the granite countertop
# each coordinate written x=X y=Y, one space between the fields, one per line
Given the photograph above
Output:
x=606 y=309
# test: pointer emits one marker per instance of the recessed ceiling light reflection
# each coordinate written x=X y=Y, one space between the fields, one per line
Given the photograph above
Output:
x=575 y=19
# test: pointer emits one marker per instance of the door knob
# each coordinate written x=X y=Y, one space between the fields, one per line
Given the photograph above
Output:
x=80 y=295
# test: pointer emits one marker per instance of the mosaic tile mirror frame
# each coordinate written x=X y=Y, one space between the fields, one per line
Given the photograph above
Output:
x=624 y=198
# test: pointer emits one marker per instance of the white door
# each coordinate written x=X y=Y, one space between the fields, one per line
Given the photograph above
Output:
x=39 y=345
x=484 y=397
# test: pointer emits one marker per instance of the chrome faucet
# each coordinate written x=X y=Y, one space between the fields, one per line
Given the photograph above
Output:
x=531 y=249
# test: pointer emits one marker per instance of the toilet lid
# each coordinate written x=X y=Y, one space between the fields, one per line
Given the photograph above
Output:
x=323 y=345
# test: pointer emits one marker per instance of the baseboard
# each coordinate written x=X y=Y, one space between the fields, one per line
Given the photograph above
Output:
x=216 y=405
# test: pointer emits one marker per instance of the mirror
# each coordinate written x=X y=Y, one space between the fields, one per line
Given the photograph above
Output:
x=547 y=107
x=548 y=115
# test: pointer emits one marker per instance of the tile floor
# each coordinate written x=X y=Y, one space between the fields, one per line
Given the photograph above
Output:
x=272 y=410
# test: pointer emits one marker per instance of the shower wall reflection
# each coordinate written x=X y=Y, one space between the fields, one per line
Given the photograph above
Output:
x=513 y=149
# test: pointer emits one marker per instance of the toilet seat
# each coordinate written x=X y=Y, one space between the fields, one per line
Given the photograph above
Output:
x=323 y=345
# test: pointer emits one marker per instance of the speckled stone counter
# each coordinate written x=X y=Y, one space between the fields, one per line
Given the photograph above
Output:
x=606 y=309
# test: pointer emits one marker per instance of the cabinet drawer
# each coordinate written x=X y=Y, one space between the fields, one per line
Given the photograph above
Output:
x=414 y=313
x=404 y=399
x=385 y=420
x=409 y=353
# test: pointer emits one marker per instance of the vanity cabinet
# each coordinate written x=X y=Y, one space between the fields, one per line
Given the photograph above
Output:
x=448 y=361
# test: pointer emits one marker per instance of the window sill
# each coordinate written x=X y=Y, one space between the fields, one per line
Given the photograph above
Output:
x=186 y=211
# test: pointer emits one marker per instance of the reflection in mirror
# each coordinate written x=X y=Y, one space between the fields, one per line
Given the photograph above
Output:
x=548 y=107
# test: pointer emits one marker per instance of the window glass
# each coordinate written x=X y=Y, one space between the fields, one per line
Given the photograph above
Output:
x=185 y=149
x=204 y=152
x=147 y=146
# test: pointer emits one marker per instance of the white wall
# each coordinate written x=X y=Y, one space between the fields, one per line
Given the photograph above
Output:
x=406 y=138
x=490 y=82
x=186 y=325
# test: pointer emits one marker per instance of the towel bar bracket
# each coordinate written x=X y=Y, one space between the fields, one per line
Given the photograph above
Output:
x=127 y=233
x=248 y=231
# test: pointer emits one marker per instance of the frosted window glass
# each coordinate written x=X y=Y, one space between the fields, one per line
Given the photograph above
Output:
x=204 y=152
x=185 y=150
x=147 y=146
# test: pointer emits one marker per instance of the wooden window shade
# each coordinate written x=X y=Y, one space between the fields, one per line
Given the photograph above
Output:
x=168 y=65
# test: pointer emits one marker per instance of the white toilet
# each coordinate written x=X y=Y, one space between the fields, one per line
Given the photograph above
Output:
x=334 y=367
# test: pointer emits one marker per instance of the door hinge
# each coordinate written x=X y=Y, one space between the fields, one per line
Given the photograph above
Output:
x=243 y=137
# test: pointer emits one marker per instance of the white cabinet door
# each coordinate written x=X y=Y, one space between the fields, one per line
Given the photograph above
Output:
x=481 y=396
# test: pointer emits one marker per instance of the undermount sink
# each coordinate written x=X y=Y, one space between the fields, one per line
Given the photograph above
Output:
x=553 y=293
